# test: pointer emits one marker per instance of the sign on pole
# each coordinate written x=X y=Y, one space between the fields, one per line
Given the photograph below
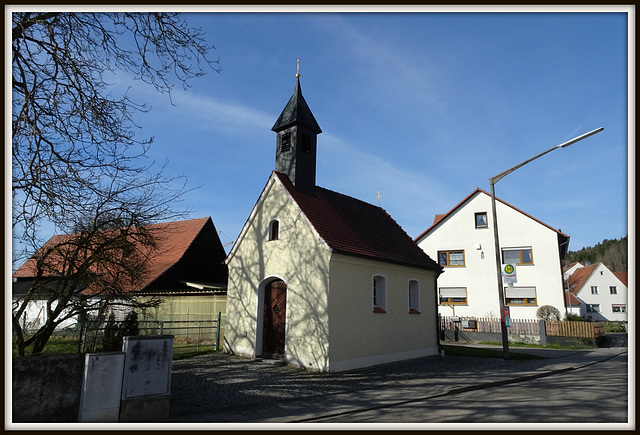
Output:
x=509 y=274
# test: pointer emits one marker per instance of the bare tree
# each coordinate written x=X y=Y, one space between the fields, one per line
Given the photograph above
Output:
x=548 y=312
x=78 y=167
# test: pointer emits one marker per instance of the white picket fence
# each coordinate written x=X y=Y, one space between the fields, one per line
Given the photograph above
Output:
x=489 y=324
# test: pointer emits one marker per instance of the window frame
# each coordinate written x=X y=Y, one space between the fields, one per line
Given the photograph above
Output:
x=449 y=301
x=521 y=262
x=526 y=301
x=379 y=294
x=274 y=230
x=590 y=308
x=613 y=290
x=448 y=258
x=486 y=219
x=594 y=290
x=622 y=308
x=414 y=297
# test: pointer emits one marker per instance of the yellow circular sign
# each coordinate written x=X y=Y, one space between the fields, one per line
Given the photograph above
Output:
x=508 y=269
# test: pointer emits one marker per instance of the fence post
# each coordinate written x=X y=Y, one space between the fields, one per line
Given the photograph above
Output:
x=218 y=331
x=543 y=332
x=199 y=335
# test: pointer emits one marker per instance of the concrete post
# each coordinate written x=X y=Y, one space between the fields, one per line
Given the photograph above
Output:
x=543 y=332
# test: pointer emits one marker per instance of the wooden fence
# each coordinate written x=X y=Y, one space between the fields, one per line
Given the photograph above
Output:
x=560 y=328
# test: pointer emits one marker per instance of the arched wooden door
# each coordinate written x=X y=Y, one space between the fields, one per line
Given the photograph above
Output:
x=275 y=314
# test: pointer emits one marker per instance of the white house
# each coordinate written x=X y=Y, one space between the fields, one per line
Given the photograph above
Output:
x=323 y=280
x=568 y=270
x=463 y=242
x=599 y=294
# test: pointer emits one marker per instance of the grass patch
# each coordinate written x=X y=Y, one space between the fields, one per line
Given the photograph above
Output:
x=486 y=353
x=539 y=346
x=185 y=355
x=55 y=346
x=61 y=345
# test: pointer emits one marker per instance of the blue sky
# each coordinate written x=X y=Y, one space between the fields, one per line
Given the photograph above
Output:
x=423 y=106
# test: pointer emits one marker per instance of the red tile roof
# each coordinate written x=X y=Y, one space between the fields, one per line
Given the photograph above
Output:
x=173 y=240
x=623 y=277
x=571 y=299
x=569 y=266
x=353 y=227
x=580 y=277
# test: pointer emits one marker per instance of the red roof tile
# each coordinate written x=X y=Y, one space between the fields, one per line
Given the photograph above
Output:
x=623 y=277
x=353 y=227
x=173 y=240
x=580 y=277
x=571 y=299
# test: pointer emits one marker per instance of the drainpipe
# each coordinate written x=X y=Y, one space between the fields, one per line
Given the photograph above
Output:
x=438 y=321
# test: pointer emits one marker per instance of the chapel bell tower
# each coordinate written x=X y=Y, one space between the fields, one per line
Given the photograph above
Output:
x=296 y=142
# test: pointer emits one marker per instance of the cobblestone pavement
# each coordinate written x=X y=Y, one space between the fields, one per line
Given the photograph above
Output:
x=221 y=380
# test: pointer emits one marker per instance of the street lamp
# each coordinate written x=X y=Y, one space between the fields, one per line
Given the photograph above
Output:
x=493 y=181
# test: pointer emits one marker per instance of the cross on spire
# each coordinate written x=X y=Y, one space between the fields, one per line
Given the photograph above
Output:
x=298 y=70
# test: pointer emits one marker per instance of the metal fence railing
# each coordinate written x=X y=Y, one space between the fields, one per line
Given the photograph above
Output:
x=189 y=335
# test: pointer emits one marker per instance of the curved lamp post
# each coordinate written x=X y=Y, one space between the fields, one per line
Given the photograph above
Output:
x=493 y=181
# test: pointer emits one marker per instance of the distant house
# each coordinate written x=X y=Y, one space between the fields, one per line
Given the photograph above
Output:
x=186 y=269
x=568 y=270
x=323 y=280
x=463 y=242
x=596 y=293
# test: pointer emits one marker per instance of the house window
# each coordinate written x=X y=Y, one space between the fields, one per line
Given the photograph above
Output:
x=379 y=294
x=453 y=296
x=414 y=297
x=451 y=258
x=520 y=296
x=594 y=289
x=517 y=256
x=613 y=290
x=617 y=308
x=274 y=229
x=285 y=142
x=593 y=308
x=481 y=219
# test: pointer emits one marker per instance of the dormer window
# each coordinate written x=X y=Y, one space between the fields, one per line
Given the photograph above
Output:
x=274 y=229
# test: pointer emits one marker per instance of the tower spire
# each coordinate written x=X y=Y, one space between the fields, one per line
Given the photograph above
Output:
x=297 y=132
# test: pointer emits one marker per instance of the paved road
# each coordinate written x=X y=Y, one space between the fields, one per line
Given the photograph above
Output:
x=220 y=388
x=596 y=393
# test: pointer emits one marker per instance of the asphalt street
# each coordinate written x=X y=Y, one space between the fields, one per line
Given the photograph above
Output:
x=563 y=386
x=596 y=393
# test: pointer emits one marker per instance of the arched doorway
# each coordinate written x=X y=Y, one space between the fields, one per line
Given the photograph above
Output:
x=275 y=315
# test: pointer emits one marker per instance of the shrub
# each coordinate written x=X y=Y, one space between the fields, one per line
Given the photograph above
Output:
x=548 y=312
x=614 y=327
x=572 y=317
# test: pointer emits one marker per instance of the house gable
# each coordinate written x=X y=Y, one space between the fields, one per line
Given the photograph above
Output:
x=440 y=219
x=274 y=182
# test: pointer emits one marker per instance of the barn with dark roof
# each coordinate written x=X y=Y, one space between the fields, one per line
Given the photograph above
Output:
x=323 y=280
